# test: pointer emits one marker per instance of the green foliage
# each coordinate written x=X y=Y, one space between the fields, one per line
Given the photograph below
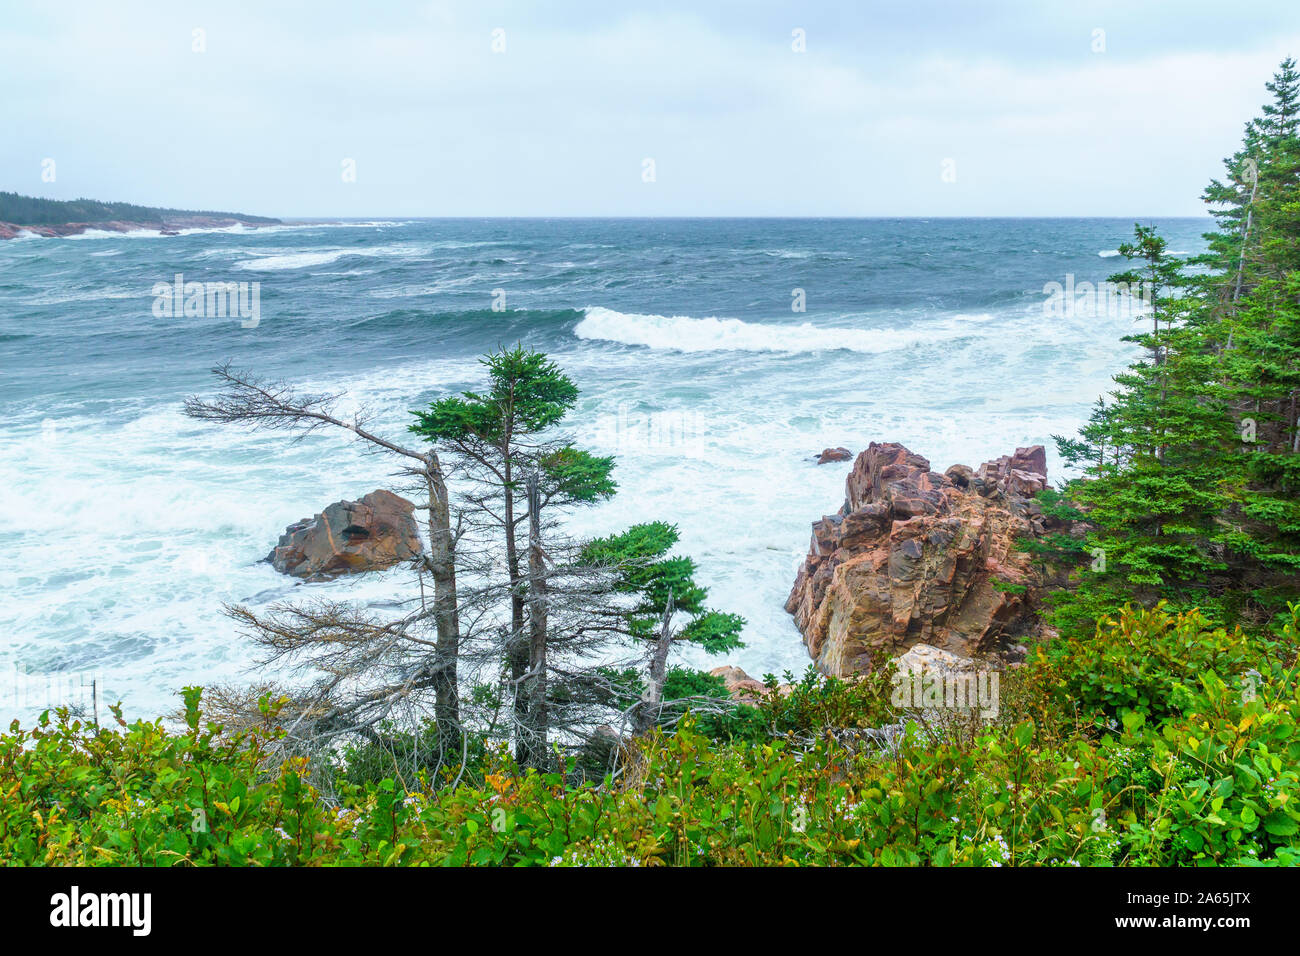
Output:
x=816 y=703
x=682 y=682
x=1193 y=772
x=639 y=559
x=143 y=795
x=686 y=688
x=527 y=393
x=414 y=758
x=1220 y=785
x=31 y=211
x=576 y=476
x=1146 y=661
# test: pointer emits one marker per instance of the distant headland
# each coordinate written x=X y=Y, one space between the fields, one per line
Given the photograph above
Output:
x=51 y=217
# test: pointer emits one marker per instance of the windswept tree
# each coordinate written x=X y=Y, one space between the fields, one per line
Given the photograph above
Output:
x=655 y=589
x=504 y=439
x=371 y=669
x=571 y=624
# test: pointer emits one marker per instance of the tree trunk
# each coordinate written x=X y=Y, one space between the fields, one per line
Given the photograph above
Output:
x=647 y=714
x=1245 y=237
x=517 y=640
x=1295 y=427
x=441 y=563
x=535 y=693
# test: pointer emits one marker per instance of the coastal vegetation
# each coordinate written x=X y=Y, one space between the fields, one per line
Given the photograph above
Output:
x=1190 y=469
x=522 y=707
x=1103 y=755
x=35 y=211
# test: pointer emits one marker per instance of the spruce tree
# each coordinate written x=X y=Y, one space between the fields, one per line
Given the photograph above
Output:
x=1190 y=471
x=501 y=438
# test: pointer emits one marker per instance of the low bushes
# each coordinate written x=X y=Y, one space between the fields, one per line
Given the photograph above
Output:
x=1161 y=741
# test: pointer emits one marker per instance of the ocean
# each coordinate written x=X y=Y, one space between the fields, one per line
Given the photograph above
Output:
x=129 y=526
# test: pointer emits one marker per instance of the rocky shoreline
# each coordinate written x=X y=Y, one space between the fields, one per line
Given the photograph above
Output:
x=923 y=567
x=168 y=227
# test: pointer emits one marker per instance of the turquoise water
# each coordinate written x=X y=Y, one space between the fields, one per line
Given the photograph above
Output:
x=129 y=525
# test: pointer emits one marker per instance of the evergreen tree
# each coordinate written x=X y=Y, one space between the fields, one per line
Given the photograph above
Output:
x=1189 y=473
x=658 y=587
x=1149 y=491
x=1260 y=365
x=501 y=438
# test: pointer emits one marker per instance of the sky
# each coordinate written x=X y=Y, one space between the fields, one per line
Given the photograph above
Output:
x=529 y=108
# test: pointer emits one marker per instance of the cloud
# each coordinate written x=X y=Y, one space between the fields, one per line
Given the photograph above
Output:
x=559 y=124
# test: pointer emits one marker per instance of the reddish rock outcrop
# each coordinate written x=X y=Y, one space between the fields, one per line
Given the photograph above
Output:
x=375 y=532
x=745 y=689
x=739 y=684
x=913 y=557
x=1023 y=474
x=829 y=455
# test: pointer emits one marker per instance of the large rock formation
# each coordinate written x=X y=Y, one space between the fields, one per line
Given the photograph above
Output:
x=375 y=532
x=915 y=557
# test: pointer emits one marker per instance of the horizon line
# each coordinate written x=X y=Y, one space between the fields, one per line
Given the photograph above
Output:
x=376 y=216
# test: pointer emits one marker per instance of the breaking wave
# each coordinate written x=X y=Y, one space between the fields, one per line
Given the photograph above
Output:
x=683 y=333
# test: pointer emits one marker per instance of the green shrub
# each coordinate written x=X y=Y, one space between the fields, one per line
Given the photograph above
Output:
x=1148 y=661
x=1220 y=784
x=1194 y=771
x=142 y=795
x=413 y=758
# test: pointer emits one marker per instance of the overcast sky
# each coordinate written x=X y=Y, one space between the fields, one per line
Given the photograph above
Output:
x=1012 y=100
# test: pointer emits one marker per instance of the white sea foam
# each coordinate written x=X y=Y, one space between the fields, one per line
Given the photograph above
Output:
x=140 y=606
x=303 y=258
x=682 y=333
x=139 y=524
x=174 y=515
x=293 y=260
x=236 y=229
x=114 y=234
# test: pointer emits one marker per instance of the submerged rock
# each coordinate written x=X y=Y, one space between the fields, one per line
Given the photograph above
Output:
x=375 y=532
x=917 y=557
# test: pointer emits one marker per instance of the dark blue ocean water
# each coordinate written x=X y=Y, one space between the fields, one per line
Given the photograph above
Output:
x=130 y=525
